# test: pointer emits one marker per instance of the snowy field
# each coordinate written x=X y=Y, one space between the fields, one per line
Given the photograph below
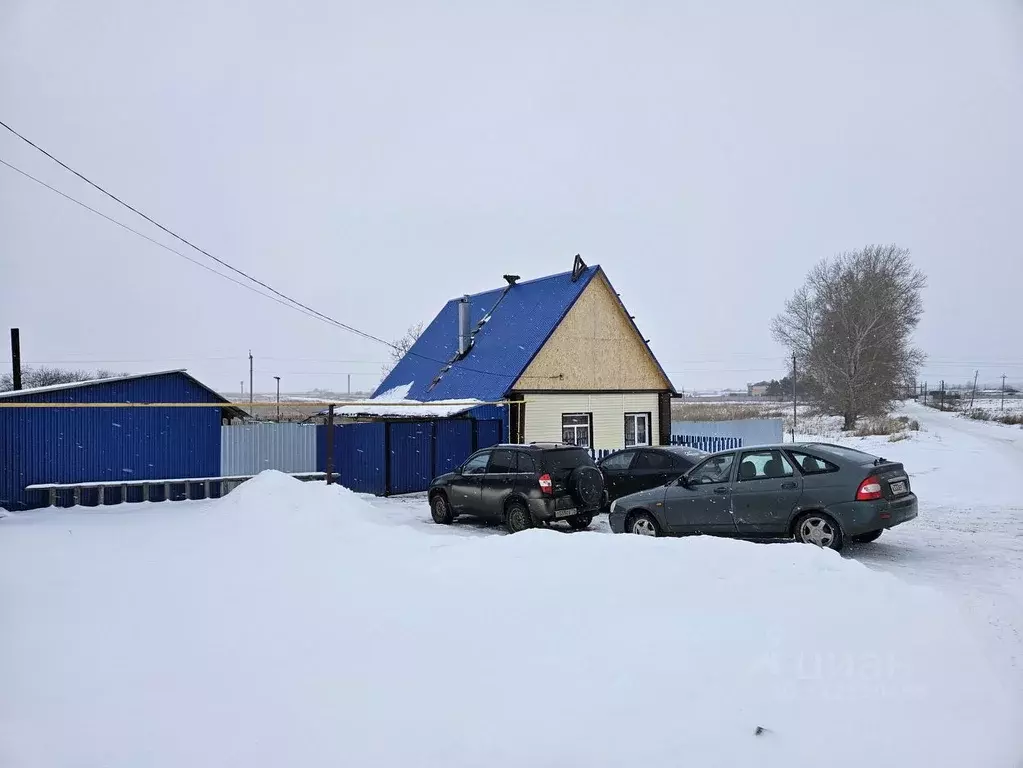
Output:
x=300 y=624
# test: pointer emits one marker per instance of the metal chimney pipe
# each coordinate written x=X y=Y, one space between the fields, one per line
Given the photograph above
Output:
x=16 y=358
x=464 y=336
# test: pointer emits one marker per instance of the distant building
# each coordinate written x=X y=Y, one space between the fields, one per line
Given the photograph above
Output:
x=757 y=390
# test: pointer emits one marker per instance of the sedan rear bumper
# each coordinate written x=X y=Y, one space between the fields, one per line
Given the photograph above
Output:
x=858 y=517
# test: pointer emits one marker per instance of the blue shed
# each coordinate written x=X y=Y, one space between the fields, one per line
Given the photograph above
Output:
x=108 y=444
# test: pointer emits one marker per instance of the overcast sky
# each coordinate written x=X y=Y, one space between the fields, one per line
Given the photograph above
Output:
x=375 y=159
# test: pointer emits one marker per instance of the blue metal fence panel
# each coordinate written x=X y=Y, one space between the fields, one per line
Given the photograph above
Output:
x=488 y=433
x=707 y=443
x=453 y=444
x=359 y=456
x=71 y=445
x=411 y=446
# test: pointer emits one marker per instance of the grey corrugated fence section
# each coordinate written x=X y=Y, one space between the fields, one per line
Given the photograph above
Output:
x=248 y=449
x=748 y=431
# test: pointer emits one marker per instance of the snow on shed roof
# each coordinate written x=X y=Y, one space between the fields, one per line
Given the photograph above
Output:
x=396 y=403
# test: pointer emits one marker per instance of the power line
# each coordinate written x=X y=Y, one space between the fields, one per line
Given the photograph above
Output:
x=166 y=247
x=245 y=274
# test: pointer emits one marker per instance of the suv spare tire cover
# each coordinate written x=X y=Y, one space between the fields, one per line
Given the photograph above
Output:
x=587 y=485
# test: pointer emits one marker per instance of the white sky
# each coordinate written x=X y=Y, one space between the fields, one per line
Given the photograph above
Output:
x=375 y=159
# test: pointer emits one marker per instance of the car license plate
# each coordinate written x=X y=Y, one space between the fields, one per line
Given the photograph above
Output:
x=899 y=487
x=565 y=512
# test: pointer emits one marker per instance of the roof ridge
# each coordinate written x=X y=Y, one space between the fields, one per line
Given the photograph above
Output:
x=524 y=282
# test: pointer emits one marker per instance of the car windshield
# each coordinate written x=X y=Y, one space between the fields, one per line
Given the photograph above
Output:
x=560 y=462
x=849 y=454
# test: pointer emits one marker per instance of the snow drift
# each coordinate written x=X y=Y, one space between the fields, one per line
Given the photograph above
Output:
x=287 y=625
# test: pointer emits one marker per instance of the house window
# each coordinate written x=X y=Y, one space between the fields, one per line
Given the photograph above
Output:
x=637 y=429
x=575 y=429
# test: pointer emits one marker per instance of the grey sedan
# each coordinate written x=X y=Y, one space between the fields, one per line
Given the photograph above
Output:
x=816 y=493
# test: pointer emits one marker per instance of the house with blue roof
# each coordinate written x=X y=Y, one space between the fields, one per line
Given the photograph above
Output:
x=560 y=352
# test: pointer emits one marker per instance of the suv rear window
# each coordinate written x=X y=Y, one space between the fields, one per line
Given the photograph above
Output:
x=562 y=461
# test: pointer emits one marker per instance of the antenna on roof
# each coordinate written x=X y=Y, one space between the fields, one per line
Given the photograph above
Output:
x=578 y=267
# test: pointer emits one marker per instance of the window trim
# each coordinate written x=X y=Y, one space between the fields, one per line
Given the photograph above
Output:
x=515 y=459
x=576 y=427
x=731 y=470
x=753 y=452
x=487 y=451
x=831 y=467
x=649 y=423
x=632 y=458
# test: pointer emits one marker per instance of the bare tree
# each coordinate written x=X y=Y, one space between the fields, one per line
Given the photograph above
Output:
x=48 y=377
x=850 y=326
x=400 y=347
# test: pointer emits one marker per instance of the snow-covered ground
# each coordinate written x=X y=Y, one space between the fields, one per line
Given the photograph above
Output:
x=299 y=624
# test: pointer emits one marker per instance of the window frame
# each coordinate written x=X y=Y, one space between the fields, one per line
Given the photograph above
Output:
x=513 y=467
x=485 y=452
x=754 y=452
x=830 y=466
x=731 y=468
x=522 y=456
x=576 y=427
x=632 y=453
x=635 y=415
x=662 y=456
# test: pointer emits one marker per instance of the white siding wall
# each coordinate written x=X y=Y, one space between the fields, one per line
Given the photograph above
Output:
x=543 y=416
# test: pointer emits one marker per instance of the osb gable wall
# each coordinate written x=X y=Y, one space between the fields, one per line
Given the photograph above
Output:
x=594 y=348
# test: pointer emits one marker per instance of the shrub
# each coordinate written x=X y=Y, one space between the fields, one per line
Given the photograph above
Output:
x=914 y=425
x=879 y=426
x=898 y=437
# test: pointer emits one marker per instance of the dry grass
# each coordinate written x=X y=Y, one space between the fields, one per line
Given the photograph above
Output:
x=883 y=425
x=725 y=411
x=980 y=414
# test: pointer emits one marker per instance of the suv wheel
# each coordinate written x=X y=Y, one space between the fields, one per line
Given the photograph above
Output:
x=580 y=522
x=517 y=518
x=820 y=530
x=643 y=525
x=440 y=510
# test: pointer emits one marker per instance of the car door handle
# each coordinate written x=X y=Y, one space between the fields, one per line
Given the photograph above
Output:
x=721 y=489
x=790 y=485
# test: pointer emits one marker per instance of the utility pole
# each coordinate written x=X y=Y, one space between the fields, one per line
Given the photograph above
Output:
x=974 y=393
x=16 y=358
x=793 y=397
x=349 y=383
x=278 y=378
x=1003 y=392
x=241 y=388
x=250 y=378
x=942 y=407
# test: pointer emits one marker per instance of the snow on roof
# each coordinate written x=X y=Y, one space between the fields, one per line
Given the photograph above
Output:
x=90 y=382
x=396 y=403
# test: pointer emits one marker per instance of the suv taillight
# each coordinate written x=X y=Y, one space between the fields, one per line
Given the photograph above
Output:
x=546 y=486
x=869 y=489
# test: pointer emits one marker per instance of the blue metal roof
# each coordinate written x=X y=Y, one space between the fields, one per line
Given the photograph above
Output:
x=516 y=327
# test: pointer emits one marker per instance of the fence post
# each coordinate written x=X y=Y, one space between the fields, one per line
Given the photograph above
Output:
x=387 y=458
x=330 y=444
x=433 y=449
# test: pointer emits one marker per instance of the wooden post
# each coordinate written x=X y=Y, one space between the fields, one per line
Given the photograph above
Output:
x=53 y=497
x=76 y=495
x=205 y=489
x=124 y=494
x=330 y=444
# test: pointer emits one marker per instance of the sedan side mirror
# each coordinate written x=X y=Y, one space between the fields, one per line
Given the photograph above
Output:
x=683 y=481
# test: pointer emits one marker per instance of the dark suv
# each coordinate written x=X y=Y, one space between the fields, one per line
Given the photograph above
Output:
x=521 y=486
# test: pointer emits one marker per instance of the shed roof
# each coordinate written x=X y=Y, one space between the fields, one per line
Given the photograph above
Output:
x=510 y=324
x=230 y=410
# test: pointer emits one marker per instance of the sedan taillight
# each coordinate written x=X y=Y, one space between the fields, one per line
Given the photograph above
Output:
x=546 y=486
x=869 y=490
